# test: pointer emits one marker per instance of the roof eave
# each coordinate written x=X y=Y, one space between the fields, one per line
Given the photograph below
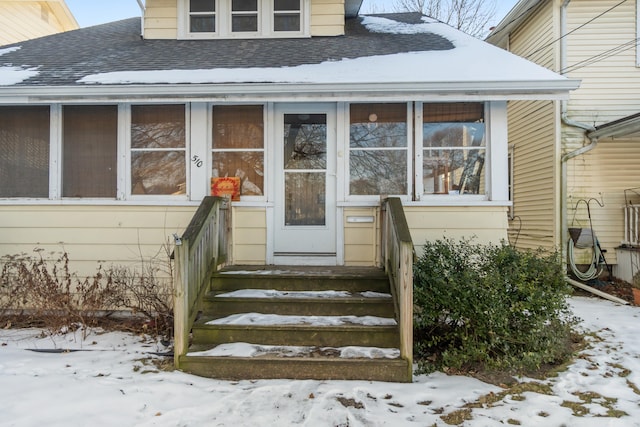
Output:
x=619 y=128
x=499 y=36
x=64 y=15
x=509 y=90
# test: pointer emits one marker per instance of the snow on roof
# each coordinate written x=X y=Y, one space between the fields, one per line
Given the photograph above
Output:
x=470 y=60
x=11 y=75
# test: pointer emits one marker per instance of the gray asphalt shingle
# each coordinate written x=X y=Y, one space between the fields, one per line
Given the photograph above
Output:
x=63 y=59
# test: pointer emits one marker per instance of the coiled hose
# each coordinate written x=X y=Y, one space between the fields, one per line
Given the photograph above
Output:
x=585 y=238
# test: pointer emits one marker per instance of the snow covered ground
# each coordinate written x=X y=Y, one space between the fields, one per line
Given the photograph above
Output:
x=113 y=381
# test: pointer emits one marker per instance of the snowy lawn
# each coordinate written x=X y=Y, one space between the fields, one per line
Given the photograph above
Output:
x=114 y=381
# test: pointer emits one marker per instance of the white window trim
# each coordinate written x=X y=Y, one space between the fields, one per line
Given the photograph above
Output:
x=347 y=151
x=223 y=22
x=637 y=33
x=55 y=152
x=510 y=164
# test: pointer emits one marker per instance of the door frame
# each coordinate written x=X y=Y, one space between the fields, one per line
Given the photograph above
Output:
x=275 y=166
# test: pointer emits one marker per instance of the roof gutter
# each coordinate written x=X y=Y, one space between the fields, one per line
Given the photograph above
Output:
x=488 y=91
x=618 y=128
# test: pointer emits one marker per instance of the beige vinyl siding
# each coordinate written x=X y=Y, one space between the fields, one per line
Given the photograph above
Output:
x=20 y=20
x=161 y=19
x=603 y=174
x=533 y=135
x=485 y=225
x=610 y=87
x=93 y=235
x=361 y=240
x=327 y=17
x=535 y=175
x=249 y=236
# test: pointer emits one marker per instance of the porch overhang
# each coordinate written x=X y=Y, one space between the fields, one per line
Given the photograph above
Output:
x=624 y=127
x=288 y=92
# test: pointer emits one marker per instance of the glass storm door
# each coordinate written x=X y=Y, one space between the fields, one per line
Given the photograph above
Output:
x=305 y=206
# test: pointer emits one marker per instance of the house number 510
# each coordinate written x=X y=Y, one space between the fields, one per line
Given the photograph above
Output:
x=197 y=161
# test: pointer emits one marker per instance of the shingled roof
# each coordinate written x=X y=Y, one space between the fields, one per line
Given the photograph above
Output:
x=390 y=57
x=65 y=58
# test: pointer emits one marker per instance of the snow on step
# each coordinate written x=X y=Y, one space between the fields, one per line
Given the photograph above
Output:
x=242 y=349
x=277 y=319
x=273 y=293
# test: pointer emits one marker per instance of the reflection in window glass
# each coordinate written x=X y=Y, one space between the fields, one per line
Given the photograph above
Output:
x=90 y=146
x=305 y=167
x=286 y=16
x=305 y=141
x=158 y=163
x=305 y=198
x=238 y=146
x=202 y=16
x=24 y=151
x=453 y=148
x=378 y=149
x=244 y=16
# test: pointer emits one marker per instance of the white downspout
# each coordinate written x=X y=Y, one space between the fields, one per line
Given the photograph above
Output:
x=142 y=10
x=565 y=158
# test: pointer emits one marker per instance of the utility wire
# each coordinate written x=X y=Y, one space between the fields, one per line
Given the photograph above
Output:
x=601 y=56
x=576 y=29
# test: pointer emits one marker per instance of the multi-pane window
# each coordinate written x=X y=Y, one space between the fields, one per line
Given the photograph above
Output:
x=286 y=15
x=24 y=151
x=238 y=146
x=378 y=149
x=244 y=16
x=241 y=18
x=202 y=16
x=454 y=148
x=158 y=149
x=89 y=151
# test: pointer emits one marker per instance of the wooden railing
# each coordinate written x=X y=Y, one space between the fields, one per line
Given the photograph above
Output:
x=632 y=225
x=398 y=257
x=198 y=253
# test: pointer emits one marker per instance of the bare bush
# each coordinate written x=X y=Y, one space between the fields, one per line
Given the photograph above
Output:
x=45 y=292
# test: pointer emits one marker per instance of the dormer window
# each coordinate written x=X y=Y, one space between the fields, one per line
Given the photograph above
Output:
x=244 y=16
x=286 y=15
x=202 y=16
x=206 y=19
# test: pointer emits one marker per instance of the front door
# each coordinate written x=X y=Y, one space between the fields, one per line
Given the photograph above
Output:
x=305 y=196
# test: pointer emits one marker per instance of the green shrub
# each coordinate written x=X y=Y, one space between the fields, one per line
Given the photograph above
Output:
x=486 y=307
